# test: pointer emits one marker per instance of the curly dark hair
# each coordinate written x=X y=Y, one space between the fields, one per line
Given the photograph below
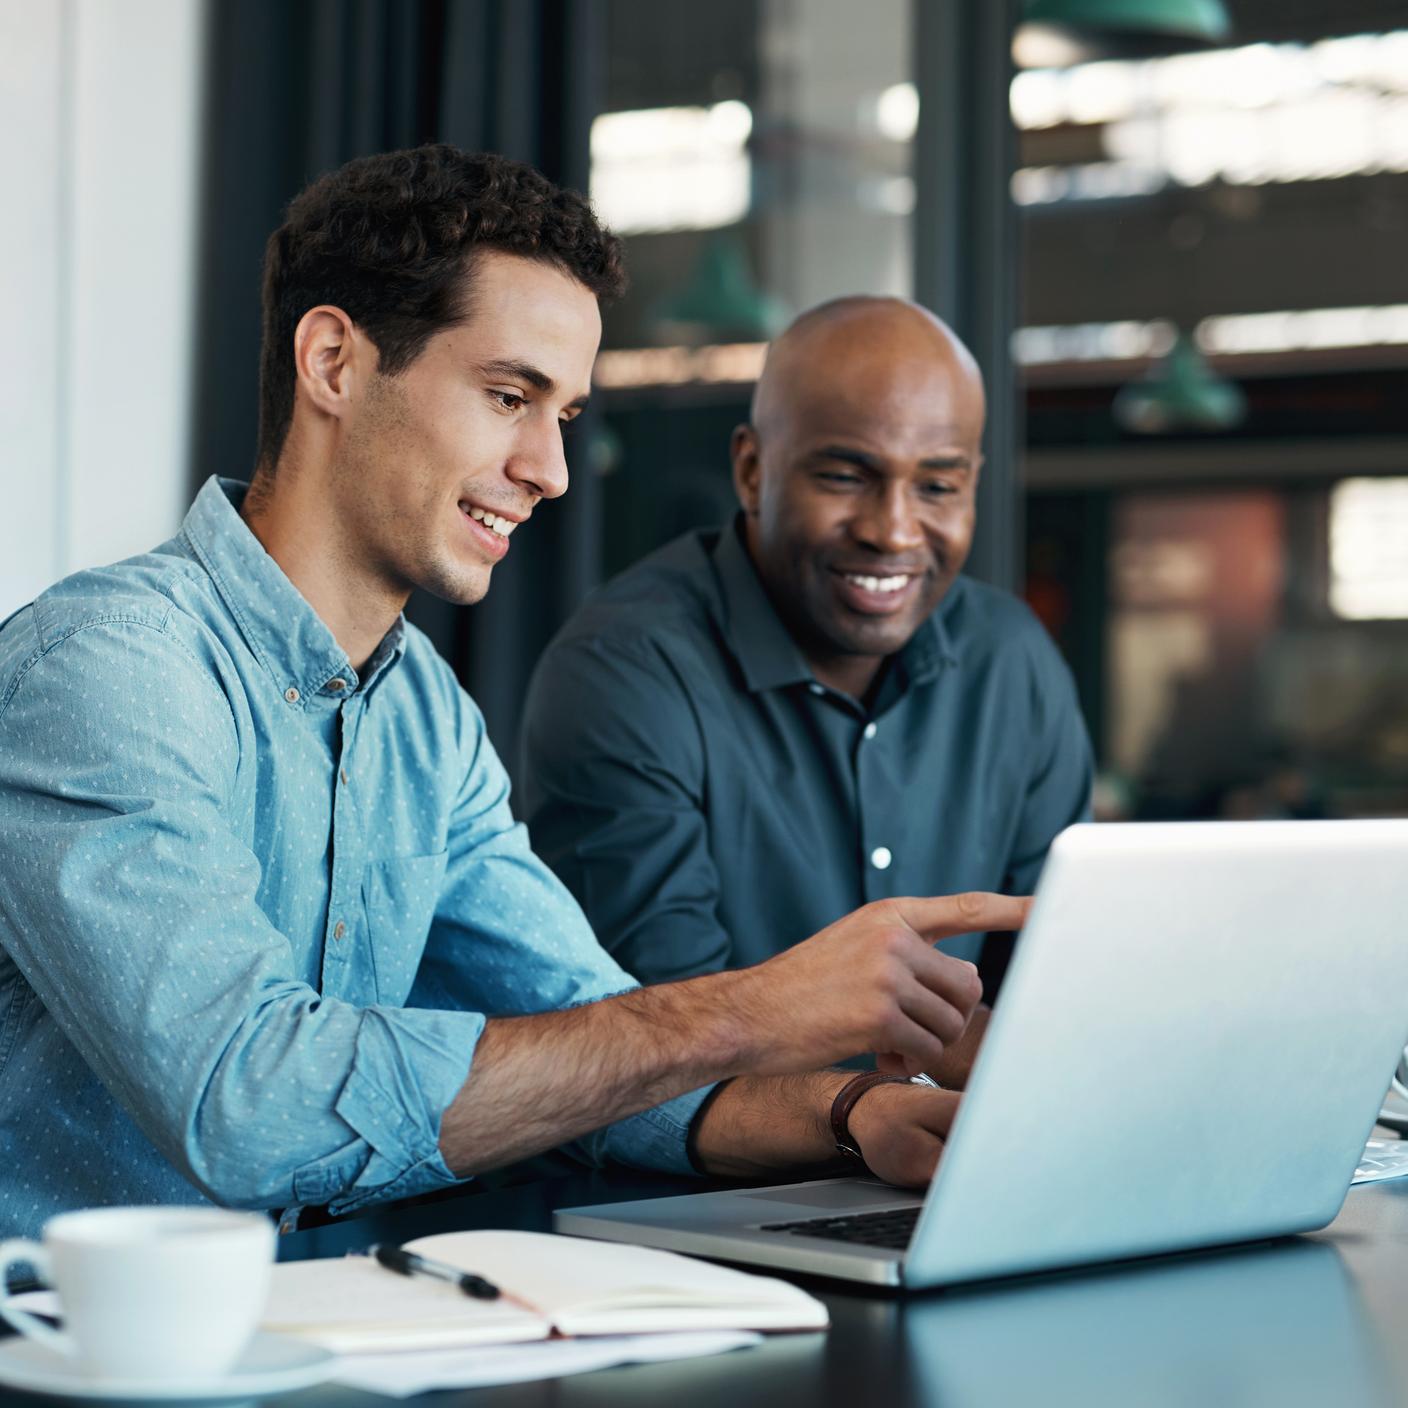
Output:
x=391 y=239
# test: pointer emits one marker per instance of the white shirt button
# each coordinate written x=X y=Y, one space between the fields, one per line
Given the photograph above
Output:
x=869 y=731
x=336 y=684
x=880 y=857
x=339 y=930
x=816 y=688
x=291 y=694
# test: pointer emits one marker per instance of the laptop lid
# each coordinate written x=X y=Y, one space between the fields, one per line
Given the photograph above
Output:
x=1192 y=1043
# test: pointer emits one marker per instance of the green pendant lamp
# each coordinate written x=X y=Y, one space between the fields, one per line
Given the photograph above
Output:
x=1180 y=393
x=721 y=301
x=1133 y=28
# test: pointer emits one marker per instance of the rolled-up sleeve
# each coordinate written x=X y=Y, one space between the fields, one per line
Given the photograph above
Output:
x=128 y=904
x=509 y=937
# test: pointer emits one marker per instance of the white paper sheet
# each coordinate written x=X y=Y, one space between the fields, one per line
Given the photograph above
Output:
x=401 y=1375
x=1383 y=1158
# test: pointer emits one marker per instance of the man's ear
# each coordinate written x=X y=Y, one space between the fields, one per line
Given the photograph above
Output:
x=747 y=467
x=329 y=357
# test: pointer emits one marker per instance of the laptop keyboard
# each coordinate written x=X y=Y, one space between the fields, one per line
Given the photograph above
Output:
x=891 y=1229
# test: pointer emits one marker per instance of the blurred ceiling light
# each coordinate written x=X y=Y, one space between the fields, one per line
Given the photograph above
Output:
x=1039 y=46
x=1118 y=27
x=1246 y=116
x=1305 y=329
x=897 y=112
x=681 y=168
x=1180 y=392
x=1369 y=549
x=627 y=368
x=1223 y=334
x=1092 y=342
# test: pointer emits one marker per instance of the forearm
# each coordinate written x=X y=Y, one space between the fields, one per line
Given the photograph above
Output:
x=870 y=982
x=758 y=1124
x=542 y=1080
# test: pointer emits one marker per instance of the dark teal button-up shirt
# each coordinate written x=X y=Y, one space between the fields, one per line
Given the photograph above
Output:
x=709 y=802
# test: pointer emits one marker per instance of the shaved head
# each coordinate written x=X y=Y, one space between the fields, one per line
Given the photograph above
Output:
x=852 y=340
x=857 y=475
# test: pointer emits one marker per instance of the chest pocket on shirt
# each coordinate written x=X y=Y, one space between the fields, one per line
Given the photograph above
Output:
x=400 y=894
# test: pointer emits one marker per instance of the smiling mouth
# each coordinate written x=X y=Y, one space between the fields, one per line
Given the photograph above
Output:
x=884 y=586
x=494 y=522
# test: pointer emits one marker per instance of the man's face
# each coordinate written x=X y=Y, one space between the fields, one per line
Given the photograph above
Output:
x=860 y=491
x=443 y=461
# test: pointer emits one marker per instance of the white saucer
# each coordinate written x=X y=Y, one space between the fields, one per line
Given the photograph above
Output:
x=271 y=1364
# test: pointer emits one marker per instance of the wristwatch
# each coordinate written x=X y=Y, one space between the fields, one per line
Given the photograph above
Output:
x=844 y=1103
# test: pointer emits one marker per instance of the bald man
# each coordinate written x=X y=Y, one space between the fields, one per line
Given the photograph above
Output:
x=759 y=728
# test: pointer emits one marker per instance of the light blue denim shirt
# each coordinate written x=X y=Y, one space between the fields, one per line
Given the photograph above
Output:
x=254 y=905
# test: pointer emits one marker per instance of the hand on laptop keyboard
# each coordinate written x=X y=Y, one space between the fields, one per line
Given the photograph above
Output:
x=900 y=1131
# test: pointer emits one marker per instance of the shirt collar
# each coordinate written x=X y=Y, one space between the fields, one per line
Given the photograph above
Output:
x=287 y=636
x=930 y=648
x=764 y=647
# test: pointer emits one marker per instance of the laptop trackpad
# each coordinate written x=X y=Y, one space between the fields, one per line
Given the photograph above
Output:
x=835 y=1195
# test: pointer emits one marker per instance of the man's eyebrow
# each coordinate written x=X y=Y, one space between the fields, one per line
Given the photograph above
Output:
x=534 y=376
x=847 y=455
x=953 y=459
x=520 y=371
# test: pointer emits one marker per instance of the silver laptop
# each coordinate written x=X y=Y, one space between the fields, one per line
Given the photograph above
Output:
x=1194 y=1037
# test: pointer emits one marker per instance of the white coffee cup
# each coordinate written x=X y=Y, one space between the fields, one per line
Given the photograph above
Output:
x=149 y=1294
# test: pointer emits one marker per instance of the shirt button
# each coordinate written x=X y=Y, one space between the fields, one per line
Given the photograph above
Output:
x=880 y=857
x=816 y=688
x=291 y=694
x=340 y=928
x=336 y=684
x=869 y=731
x=342 y=773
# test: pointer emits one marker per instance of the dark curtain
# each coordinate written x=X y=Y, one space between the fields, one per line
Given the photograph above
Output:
x=297 y=87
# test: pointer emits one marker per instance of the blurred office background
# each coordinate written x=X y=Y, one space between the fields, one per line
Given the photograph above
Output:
x=1178 y=251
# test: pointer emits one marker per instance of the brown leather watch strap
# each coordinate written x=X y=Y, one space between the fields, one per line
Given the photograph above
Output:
x=844 y=1103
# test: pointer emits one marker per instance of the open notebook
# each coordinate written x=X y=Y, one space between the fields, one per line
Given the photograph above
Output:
x=566 y=1285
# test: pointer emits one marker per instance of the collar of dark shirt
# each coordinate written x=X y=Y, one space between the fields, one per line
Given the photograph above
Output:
x=283 y=631
x=764 y=647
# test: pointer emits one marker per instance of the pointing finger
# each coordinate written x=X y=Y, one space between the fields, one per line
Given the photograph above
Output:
x=943 y=916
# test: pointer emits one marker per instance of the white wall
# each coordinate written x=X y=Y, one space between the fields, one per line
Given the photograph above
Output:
x=99 y=138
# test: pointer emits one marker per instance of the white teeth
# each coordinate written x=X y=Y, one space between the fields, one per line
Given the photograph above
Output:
x=502 y=526
x=877 y=584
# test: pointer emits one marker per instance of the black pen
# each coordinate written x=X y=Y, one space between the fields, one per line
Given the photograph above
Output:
x=409 y=1264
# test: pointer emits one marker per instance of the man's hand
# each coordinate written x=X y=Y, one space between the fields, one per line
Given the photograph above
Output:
x=956 y=1064
x=760 y=1124
x=871 y=982
x=900 y=1131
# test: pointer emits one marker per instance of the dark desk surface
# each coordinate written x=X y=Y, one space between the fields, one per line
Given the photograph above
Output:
x=1311 y=1322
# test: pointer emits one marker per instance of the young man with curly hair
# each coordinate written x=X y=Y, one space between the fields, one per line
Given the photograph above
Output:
x=269 y=934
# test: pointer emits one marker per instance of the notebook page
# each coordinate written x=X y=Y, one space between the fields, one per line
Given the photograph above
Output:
x=352 y=1304
x=585 y=1286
